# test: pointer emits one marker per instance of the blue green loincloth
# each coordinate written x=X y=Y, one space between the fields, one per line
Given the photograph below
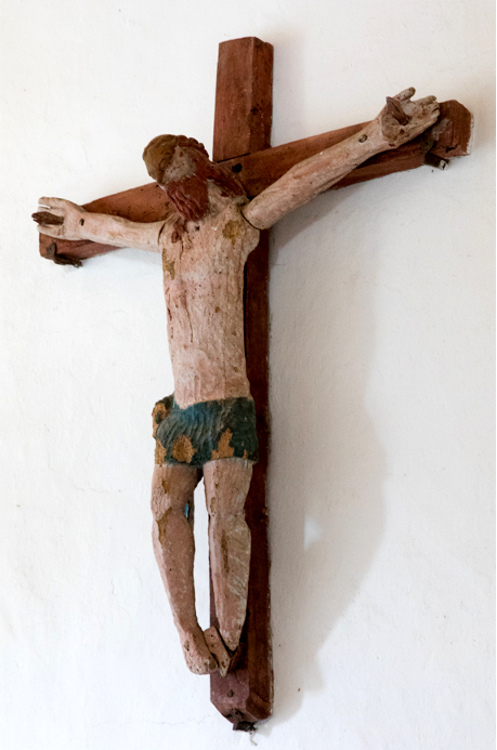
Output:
x=205 y=431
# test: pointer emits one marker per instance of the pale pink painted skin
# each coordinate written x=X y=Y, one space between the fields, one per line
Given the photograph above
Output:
x=203 y=284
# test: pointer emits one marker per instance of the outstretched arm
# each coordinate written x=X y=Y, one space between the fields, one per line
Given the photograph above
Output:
x=65 y=220
x=399 y=121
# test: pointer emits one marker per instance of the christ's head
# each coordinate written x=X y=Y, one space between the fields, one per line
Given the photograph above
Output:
x=182 y=168
x=169 y=158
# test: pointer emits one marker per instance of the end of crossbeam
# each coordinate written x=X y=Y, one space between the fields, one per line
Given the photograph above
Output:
x=453 y=132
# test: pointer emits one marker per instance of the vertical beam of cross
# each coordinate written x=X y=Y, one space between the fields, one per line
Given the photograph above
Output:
x=242 y=125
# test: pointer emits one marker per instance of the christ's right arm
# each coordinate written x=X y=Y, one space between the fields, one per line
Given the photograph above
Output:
x=65 y=220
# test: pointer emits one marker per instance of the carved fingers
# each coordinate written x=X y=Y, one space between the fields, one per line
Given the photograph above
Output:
x=405 y=95
x=59 y=218
x=402 y=119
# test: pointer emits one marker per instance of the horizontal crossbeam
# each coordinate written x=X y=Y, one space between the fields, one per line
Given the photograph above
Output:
x=449 y=137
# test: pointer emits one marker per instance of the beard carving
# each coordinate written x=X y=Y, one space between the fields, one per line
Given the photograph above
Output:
x=189 y=195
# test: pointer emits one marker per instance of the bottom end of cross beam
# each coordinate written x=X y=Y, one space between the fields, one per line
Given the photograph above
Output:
x=240 y=723
x=245 y=719
x=239 y=702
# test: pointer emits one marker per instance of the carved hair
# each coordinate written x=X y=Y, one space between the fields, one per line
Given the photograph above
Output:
x=161 y=148
x=189 y=195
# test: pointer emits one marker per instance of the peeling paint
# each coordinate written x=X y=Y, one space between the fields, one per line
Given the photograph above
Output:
x=224 y=552
x=162 y=525
x=224 y=449
x=168 y=265
x=183 y=449
x=159 y=413
x=232 y=230
x=160 y=453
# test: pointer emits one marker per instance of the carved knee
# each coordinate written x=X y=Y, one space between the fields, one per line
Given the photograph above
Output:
x=161 y=521
x=168 y=503
x=161 y=499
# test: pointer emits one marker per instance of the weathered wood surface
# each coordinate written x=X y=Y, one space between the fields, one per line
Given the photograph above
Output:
x=244 y=68
x=245 y=694
x=450 y=137
x=401 y=120
x=145 y=203
x=281 y=179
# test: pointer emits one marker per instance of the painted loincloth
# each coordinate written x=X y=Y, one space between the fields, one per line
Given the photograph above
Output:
x=205 y=431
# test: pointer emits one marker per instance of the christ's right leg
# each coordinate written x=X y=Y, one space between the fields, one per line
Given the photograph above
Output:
x=174 y=546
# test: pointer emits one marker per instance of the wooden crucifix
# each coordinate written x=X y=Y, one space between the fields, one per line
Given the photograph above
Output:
x=209 y=220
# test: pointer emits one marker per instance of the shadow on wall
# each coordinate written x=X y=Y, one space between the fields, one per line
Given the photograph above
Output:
x=327 y=466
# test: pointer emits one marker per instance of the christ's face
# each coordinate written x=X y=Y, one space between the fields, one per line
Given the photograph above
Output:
x=164 y=171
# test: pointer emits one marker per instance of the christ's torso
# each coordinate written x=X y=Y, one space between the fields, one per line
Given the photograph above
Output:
x=203 y=283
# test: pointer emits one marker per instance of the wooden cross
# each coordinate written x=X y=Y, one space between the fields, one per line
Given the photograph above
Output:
x=242 y=143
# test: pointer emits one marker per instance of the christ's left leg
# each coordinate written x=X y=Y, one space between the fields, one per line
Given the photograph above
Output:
x=227 y=481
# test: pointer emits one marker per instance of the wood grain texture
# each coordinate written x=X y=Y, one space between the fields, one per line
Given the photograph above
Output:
x=243 y=115
x=241 y=143
x=245 y=695
x=400 y=121
x=144 y=203
x=450 y=137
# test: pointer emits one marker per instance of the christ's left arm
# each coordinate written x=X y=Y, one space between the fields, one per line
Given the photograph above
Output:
x=399 y=121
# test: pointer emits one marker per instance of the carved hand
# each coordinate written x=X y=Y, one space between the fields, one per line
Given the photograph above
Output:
x=401 y=119
x=60 y=218
x=67 y=221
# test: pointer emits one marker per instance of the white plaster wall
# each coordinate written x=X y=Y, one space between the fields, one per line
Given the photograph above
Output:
x=381 y=487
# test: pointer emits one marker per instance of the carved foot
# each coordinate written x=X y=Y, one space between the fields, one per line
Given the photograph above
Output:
x=199 y=659
x=231 y=637
x=218 y=650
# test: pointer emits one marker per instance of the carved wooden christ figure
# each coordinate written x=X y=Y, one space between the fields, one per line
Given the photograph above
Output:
x=207 y=427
